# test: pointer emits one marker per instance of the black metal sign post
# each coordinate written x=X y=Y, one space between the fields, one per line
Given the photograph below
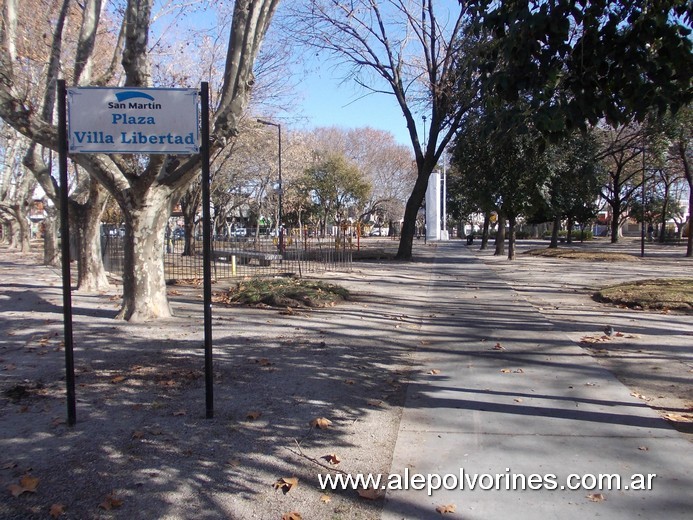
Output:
x=206 y=249
x=65 y=250
x=97 y=134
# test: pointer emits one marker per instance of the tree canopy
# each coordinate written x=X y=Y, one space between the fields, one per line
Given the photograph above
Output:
x=576 y=62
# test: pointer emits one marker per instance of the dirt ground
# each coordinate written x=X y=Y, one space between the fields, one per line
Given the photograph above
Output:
x=142 y=447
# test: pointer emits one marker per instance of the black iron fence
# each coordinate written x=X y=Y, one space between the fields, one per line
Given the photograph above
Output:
x=240 y=256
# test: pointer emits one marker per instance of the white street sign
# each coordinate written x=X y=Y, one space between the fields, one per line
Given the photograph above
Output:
x=133 y=120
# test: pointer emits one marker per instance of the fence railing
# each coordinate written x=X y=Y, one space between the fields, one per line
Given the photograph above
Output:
x=245 y=256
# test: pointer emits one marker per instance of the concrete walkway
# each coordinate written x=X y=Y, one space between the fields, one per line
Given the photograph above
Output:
x=502 y=392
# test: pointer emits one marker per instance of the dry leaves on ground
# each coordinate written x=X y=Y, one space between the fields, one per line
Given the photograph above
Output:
x=27 y=484
x=370 y=494
x=56 y=510
x=286 y=484
x=596 y=497
x=111 y=502
x=448 y=508
x=332 y=459
x=321 y=423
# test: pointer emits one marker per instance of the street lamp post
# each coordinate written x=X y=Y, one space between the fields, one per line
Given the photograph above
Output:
x=279 y=227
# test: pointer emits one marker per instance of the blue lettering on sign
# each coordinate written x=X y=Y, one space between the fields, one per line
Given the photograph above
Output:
x=124 y=119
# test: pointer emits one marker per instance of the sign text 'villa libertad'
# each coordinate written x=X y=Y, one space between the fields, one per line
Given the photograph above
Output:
x=130 y=120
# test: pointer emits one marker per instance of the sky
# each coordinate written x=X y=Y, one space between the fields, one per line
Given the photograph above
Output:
x=325 y=99
x=329 y=101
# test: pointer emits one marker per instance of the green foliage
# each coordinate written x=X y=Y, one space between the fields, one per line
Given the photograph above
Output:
x=576 y=62
x=336 y=186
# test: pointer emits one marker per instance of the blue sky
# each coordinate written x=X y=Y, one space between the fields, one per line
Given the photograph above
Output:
x=328 y=101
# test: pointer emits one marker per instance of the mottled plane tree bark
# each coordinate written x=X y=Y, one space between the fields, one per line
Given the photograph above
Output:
x=146 y=187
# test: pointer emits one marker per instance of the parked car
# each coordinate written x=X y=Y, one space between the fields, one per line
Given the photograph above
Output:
x=178 y=234
x=380 y=232
x=240 y=232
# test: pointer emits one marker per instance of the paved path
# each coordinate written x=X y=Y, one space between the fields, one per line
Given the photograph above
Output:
x=514 y=397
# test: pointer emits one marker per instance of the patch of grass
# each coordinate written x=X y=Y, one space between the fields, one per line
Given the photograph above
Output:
x=283 y=292
x=661 y=293
x=576 y=254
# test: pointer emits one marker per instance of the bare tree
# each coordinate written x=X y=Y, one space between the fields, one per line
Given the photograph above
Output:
x=409 y=49
x=146 y=187
x=621 y=154
x=386 y=165
x=16 y=191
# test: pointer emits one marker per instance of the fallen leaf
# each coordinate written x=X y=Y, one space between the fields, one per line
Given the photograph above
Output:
x=29 y=483
x=286 y=484
x=15 y=490
x=498 y=346
x=448 y=508
x=434 y=371
x=596 y=497
x=178 y=413
x=137 y=434
x=325 y=499
x=263 y=362
x=111 y=502
x=117 y=379
x=375 y=402
x=56 y=510
x=251 y=416
x=370 y=494
x=348 y=381
x=643 y=448
x=505 y=371
x=518 y=400
x=321 y=423
x=332 y=459
x=518 y=371
x=293 y=515
x=234 y=463
x=9 y=465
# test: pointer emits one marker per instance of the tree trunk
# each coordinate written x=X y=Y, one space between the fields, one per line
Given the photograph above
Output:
x=500 y=236
x=404 y=251
x=689 y=246
x=23 y=228
x=554 y=233
x=91 y=272
x=51 y=251
x=615 y=221
x=484 y=233
x=511 y=239
x=663 y=218
x=144 y=282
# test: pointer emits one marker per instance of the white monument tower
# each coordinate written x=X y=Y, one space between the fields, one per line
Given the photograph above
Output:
x=436 y=211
